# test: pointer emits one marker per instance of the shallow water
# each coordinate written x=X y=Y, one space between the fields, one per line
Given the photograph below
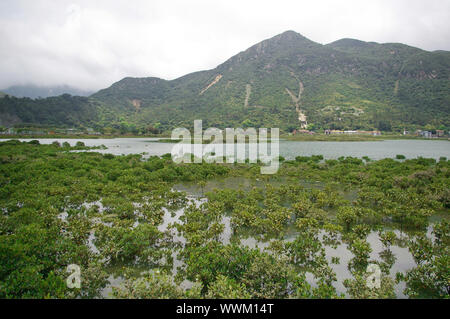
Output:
x=288 y=149
x=246 y=184
x=404 y=260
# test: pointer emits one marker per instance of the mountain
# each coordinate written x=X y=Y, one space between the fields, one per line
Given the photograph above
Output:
x=58 y=111
x=289 y=82
x=33 y=91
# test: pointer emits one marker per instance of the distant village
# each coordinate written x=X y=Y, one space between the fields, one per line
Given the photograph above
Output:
x=418 y=133
x=90 y=131
x=429 y=134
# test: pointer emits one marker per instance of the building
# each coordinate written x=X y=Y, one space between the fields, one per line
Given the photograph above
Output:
x=374 y=133
x=72 y=131
x=10 y=131
x=90 y=131
x=426 y=134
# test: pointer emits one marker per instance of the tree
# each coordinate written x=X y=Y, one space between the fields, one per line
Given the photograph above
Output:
x=226 y=288
x=346 y=216
x=153 y=285
x=431 y=277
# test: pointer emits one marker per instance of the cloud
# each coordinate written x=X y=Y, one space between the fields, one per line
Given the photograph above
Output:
x=91 y=44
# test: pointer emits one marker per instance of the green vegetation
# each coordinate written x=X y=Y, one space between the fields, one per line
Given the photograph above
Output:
x=117 y=215
x=63 y=111
x=348 y=84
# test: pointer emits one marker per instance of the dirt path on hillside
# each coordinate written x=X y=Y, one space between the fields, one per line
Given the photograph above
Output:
x=296 y=100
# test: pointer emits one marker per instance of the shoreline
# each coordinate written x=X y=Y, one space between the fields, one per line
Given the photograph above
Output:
x=167 y=139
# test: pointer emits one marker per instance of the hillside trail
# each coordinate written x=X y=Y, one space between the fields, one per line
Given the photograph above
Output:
x=297 y=101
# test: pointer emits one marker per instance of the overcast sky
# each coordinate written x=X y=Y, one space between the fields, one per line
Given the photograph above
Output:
x=91 y=44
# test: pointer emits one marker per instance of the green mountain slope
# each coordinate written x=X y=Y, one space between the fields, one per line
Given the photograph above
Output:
x=291 y=82
x=64 y=110
x=346 y=84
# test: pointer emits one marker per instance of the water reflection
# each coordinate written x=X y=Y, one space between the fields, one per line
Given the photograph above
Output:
x=403 y=258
